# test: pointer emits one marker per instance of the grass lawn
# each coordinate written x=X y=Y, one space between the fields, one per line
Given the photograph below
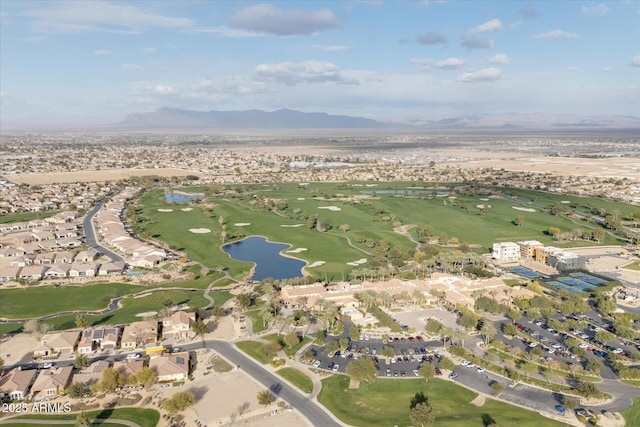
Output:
x=633 y=266
x=386 y=403
x=256 y=320
x=251 y=348
x=632 y=415
x=632 y=382
x=288 y=351
x=143 y=417
x=25 y=216
x=297 y=378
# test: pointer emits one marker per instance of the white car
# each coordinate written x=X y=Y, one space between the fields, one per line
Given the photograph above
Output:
x=481 y=370
x=133 y=356
x=618 y=351
x=471 y=365
x=583 y=345
x=533 y=344
x=465 y=363
x=317 y=364
x=551 y=350
x=47 y=365
x=336 y=367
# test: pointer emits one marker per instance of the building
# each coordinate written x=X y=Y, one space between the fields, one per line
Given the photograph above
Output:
x=52 y=382
x=178 y=325
x=139 y=334
x=528 y=248
x=174 y=367
x=92 y=374
x=55 y=343
x=506 y=252
x=15 y=384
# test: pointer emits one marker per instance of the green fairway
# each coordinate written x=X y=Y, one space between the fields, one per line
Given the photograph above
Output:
x=142 y=417
x=369 y=210
x=632 y=415
x=386 y=402
x=288 y=351
x=297 y=378
x=25 y=216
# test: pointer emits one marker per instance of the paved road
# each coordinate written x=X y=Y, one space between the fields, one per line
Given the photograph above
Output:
x=90 y=234
x=307 y=407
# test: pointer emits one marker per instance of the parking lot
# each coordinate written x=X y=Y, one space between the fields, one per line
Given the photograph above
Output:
x=410 y=352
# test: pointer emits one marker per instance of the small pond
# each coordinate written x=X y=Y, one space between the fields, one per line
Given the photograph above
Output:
x=181 y=198
x=266 y=256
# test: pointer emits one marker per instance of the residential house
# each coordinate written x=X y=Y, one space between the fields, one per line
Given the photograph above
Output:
x=178 y=325
x=82 y=270
x=33 y=272
x=174 y=367
x=128 y=367
x=65 y=257
x=111 y=268
x=89 y=255
x=9 y=273
x=52 y=382
x=55 y=343
x=58 y=271
x=92 y=374
x=139 y=334
x=15 y=384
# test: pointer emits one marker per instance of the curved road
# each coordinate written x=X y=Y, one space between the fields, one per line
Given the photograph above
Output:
x=90 y=233
x=306 y=406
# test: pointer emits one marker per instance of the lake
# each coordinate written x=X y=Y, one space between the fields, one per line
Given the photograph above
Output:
x=266 y=256
x=181 y=198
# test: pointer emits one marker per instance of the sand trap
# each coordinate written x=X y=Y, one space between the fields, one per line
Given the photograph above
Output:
x=303 y=183
x=200 y=230
x=147 y=314
x=358 y=262
x=186 y=209
x=165 y=210
x=566 y=202
x=300 y=198
x=372 y=185
x=483 y=206
x=241 y=224
x=317 y=264
x=352 y=263
x=297 y=250
x=484 y=199
x=357 y=185
x=291 y=225
x=330 y=208
x=518 y=208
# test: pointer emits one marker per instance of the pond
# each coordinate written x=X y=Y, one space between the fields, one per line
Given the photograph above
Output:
x=266 y=256
x=181 y=198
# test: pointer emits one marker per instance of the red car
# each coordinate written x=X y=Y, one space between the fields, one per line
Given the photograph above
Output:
x=419 y=338
x=411 y=339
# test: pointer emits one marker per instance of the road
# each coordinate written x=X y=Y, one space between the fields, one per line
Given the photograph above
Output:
x=90 y=234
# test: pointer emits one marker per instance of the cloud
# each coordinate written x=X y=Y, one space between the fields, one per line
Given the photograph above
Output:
x=556 y=34
x=292 y=73
x=492 y=25
x=609 y=69
x=100 y=52
x=149 y=49
x=86 y=16
x=500 y=58
x=266 y=19
x=475 y=42
x=333 y=48
x=482 y=75
x=635 y=61
x=432 y=38
x=152 y=89
x=599 y=9
x=528 y=11
x=450 y=63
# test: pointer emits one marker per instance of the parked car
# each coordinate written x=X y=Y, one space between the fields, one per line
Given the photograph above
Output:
x=317 y=364
x=133 y=356
x=48 y=365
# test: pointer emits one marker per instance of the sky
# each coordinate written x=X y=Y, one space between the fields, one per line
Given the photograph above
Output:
x=97 y=61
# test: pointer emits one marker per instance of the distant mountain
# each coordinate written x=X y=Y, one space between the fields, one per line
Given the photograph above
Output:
x=515 y=121
x=172 y=118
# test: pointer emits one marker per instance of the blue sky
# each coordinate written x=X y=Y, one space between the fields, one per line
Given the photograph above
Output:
x=98 y=61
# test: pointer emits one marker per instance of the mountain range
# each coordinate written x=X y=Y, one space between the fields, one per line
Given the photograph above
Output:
x=173 y=118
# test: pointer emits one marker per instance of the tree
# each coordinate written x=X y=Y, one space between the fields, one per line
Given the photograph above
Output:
x=200 y=329
x=179 y=402
x=446 y=363
x=243 y=301
x=514 y=315
x=82 y=361
x=427 y=371
x=82 y=420
x=528 y=368
x=443 y=239
x=146 y=377
x=81 y=321
x=388 y=351
x=421 y=415
x=509 y=329
x=31 y=326
x=344 y=228
x=362 y=369
x=75 y=391
x=354 y=333
x=291 y=339
x=519 y=221
x=497 y=388
x=488 y=330
x=265 y=397
x=111 y=379
x=332 y=346
x=270 y=348
x=570 y=402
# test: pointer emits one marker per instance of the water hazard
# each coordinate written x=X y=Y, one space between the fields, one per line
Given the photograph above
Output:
x=266 y=255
